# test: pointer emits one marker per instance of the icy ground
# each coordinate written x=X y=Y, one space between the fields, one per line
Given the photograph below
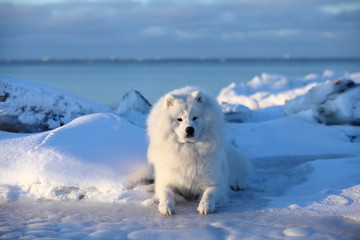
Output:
x=66 y=183
x=242 y=219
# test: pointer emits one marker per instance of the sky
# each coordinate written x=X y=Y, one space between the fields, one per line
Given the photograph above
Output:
x=31 y=29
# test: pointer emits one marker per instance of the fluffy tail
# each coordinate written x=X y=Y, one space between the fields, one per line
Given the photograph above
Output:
x=239 y=167
x=143 y=176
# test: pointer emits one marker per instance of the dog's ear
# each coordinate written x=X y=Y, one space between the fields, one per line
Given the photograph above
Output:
x=169 y=101
x=198 y=96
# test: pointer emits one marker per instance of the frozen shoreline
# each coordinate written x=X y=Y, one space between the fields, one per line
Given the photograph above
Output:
x=306 y=183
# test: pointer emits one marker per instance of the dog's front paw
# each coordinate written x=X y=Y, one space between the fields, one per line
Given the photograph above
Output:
x=166 y=209
x=206 y=207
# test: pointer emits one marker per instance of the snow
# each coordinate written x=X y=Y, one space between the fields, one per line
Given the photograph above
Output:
x=70 y=182
x=30 y=107
x=134 y=107
x=269 y=90
x=332 y=102
x=240 y=113
x=88 y=157
x=134 y=101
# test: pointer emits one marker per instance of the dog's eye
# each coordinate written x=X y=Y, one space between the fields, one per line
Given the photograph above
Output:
x=194 y=118
x=179 y=119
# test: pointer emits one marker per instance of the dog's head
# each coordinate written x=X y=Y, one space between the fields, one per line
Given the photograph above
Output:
x=186 y=115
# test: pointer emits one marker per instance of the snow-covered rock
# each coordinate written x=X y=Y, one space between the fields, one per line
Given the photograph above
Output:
x=134 y=101
x=332 y=102
x=35 y=107
x=269 y=90
x=134 y=107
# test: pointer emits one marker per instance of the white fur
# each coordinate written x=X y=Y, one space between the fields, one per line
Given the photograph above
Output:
x=197 y=165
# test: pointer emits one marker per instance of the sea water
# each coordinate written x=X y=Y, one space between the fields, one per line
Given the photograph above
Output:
x=106 y=82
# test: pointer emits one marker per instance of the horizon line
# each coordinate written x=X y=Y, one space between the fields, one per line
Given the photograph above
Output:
x=174 y=59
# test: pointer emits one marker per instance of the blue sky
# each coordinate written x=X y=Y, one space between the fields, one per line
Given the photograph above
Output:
x=179 y=28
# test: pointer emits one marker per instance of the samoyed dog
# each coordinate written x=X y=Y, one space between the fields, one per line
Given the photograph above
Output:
x=190 y=157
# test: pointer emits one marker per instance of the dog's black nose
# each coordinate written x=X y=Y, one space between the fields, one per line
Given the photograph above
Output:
x=189 y=131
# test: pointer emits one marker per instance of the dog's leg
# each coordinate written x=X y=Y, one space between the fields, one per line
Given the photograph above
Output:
x=208 y=200
x=166 y=201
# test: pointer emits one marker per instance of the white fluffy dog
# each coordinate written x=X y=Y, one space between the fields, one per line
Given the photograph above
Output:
x=189 y=153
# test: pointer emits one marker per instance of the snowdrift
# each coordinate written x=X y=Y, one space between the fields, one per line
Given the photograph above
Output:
x=87 y=158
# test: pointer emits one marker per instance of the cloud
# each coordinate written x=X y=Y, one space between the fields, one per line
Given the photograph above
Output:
x=262 y=33
x=187 y=34
x=339 y=8
x=31 y=2
x=155 y=31
x=132 y=28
